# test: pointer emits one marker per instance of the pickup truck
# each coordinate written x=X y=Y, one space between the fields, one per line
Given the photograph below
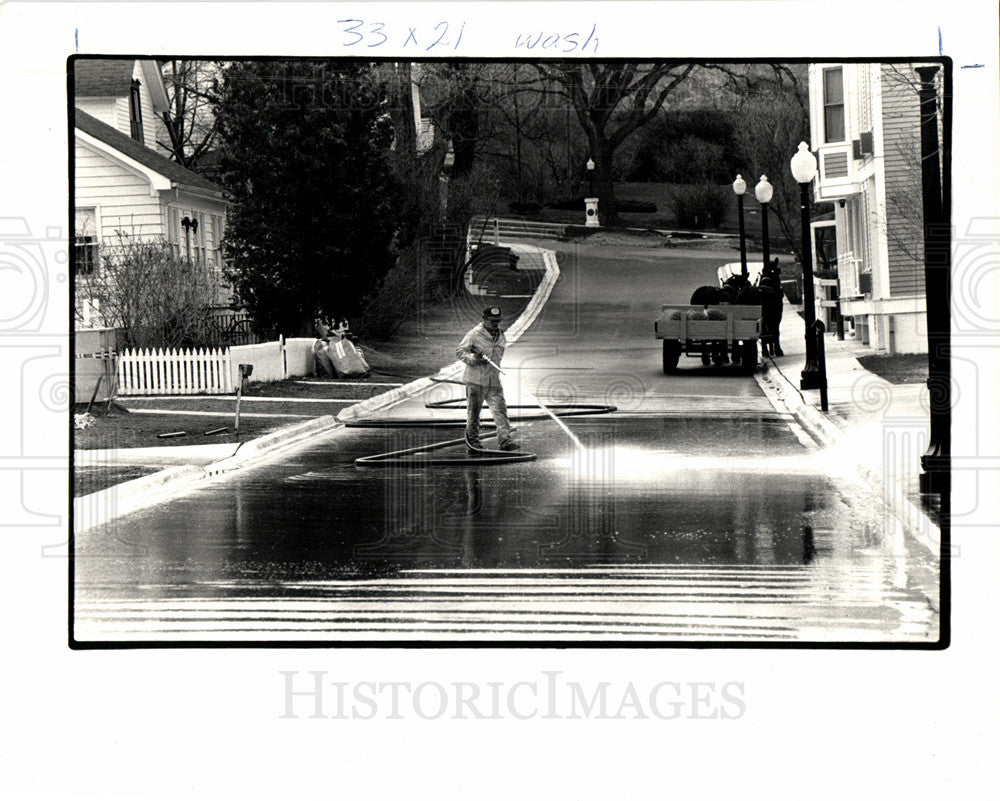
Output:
x=711 y=332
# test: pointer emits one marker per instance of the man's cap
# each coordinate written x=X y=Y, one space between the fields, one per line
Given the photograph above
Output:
x=492 y=313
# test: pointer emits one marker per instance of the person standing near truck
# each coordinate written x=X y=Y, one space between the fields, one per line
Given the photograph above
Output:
x=484 y=344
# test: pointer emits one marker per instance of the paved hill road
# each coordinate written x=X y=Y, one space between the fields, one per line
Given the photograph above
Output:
x=696 y=514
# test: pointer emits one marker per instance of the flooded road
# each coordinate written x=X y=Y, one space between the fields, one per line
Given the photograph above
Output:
x=664 y=523
x=696 y=513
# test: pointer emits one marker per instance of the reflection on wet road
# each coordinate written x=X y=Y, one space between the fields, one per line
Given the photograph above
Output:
x=697 y=513
x=667 y=527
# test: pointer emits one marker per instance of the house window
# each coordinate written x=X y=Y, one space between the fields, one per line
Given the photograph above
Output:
x=85 y=247
x=217 y=240
x=833 y=105
x=135 y=111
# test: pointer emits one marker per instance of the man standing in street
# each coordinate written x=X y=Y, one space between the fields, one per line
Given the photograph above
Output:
x=484 y=344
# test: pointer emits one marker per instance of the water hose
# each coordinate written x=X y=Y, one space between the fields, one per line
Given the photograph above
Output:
x=483 y=456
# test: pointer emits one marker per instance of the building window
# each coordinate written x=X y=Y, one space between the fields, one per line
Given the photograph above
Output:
x=135 y=111
x=85 y=247
x=833 y=105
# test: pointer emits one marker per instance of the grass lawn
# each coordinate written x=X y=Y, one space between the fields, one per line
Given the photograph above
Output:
x=664 y=217
x=423 y=345
x=903 y=368
x=120 y=428
x=93 y=479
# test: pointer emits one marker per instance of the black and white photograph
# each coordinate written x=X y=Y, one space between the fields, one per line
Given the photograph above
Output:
x=396 y=388
x=510 y=350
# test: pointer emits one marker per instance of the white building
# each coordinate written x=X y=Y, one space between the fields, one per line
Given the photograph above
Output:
x=865 y=123
x=122 y=185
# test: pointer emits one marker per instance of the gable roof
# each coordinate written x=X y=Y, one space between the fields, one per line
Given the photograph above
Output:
x=103 y=77
x=139 y=152
x=112 y=77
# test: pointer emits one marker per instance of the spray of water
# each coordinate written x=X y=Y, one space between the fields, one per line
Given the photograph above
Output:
x=550 y=413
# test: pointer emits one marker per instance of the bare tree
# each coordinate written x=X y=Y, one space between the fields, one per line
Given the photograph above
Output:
x=772 y=109
x=611 y=102
x=189 y=119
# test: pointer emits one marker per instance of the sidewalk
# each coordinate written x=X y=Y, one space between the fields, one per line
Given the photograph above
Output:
x=873 y=428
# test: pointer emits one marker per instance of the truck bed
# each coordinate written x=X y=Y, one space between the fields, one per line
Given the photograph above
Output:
x=733 y=323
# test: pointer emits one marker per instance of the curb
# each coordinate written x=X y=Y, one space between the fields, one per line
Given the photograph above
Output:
x=784 y=396
x=130 y=496
x=453 y=370
x=255 y=449
x=121 y=499
x=180 y=453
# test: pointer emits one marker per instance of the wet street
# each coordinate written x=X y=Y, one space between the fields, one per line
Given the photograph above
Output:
x=695 y=512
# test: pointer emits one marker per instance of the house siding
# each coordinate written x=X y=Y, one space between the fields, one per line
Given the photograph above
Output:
x=121 y=120
x=104 y=109
x=901 y=142
x=120 y=195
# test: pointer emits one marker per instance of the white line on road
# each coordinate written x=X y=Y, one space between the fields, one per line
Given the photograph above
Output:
x=347 y=384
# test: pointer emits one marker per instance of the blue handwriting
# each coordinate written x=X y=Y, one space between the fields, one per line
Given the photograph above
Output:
x=561 y=42
x=446 y=35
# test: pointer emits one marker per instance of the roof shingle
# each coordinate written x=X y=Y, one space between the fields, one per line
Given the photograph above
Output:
x=103 y=77
x=139 y=152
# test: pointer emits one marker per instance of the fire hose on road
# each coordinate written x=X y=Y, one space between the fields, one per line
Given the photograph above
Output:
x=483 y=456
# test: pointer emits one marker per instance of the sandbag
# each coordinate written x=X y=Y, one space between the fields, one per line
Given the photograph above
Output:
x=323 y=364
x=346 y=359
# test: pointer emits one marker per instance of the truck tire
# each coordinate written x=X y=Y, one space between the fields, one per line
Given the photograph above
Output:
x=748 y=356
x=671 y=355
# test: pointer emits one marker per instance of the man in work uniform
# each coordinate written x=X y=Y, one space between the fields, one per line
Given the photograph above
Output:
x=482 y=380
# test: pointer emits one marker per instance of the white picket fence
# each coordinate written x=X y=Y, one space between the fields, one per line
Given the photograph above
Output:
x=170 y=371
x=211 y=371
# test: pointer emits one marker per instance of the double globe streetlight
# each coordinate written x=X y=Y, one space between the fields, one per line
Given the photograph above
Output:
x=763 y=192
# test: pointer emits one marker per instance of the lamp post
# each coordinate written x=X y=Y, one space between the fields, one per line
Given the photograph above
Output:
x=764 y=192
x=803 y=171
x=936 y=460
x=740 y=188
x=593 y=220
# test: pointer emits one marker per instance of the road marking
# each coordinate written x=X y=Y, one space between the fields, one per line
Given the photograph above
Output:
x=346 y=384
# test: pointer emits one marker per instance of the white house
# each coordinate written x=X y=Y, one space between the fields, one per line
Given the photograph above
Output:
x=123 y=185
x=865 y=123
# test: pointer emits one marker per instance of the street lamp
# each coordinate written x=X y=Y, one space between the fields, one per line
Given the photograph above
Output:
x=764 y=192
x=740 y=188
x=936 y=206
x=593 y=220
x=803 y=171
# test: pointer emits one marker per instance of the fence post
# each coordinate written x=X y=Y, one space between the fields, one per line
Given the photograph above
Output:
x=147 y=369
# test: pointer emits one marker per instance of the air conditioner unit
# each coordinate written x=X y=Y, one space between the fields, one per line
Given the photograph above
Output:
x=863 y=147
x=865 y=283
